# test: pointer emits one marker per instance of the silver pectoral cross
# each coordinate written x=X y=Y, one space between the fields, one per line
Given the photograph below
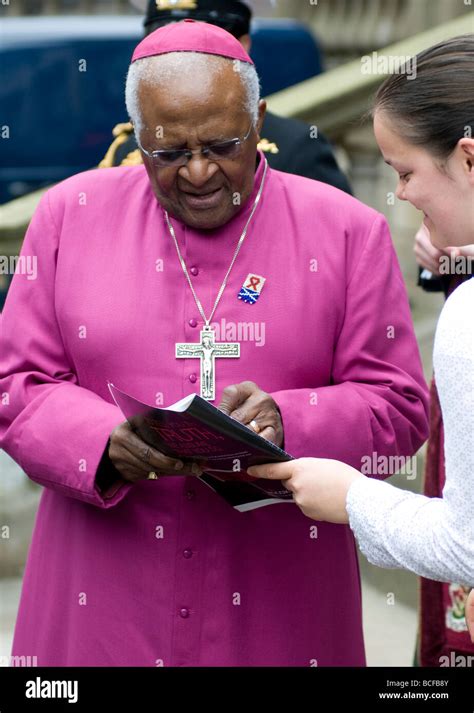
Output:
x=207 y=350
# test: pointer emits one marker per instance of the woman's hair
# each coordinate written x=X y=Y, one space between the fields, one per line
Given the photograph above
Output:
x=434 y=109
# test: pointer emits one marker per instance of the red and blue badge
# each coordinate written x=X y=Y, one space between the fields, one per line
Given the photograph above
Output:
x=251 y=289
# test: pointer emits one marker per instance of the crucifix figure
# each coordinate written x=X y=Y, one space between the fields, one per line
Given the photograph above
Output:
x=207 y=350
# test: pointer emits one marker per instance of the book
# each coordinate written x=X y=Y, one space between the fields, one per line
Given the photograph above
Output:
x=192 y=429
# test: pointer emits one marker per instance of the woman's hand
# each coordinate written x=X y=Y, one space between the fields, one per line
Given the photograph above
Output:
x=426 y=254
x=466 y=251
x=319 y=485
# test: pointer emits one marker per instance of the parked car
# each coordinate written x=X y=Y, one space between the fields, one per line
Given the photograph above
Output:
x=62 y=88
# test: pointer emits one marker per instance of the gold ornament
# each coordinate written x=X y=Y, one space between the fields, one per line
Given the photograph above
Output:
x=176 y=4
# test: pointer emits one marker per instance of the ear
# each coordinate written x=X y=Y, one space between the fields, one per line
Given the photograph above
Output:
x=466 y=148
x=262 y=108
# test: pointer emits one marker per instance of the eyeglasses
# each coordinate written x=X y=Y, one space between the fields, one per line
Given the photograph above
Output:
x=174 y=158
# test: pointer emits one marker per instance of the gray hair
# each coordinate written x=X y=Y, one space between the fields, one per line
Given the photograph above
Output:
x=161 y=68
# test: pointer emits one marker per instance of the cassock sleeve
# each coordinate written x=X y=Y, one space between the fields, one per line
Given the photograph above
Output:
x=53 y=428
x=377 y=401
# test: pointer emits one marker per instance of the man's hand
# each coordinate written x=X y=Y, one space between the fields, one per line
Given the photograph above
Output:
x=255 y=408
x=135 y=459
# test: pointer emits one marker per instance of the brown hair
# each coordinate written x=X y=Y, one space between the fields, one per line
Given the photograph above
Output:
x=434 y=109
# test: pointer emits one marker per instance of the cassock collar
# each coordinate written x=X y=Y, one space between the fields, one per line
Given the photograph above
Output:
x=260 y=164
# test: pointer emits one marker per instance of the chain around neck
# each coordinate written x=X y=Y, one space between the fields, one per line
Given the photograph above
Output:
x=207 y=321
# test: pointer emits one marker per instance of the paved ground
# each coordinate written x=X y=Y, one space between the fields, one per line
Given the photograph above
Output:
x=390 y=616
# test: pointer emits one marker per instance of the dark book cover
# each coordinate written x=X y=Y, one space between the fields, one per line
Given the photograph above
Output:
x=193 y=429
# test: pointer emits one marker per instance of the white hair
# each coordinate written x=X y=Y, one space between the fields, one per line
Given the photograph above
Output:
x=161 y=68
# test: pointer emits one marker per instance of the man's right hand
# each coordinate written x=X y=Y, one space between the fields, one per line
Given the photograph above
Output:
x=135 y=459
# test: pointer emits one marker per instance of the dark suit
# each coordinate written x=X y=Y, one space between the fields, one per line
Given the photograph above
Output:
x=300 y=154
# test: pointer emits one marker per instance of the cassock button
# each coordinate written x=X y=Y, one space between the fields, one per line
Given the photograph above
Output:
x=184 y=613
x=194 y=270
x=190 y=494
x=187 y=554
x=193 y=378
x=193 y=323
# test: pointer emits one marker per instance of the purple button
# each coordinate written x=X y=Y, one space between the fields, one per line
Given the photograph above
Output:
x=193 y=378
x=187 y=554
x=184 y=613
x=194 y=270
x=190 y=494
x=193 y=323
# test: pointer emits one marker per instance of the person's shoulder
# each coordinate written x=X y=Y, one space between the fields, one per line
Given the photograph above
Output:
x=100 y=182
x=462 y=299
x=454 y=329
x=308 y=195
x=123 y=151
x=276 y=126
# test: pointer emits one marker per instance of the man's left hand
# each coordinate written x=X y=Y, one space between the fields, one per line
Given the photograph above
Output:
x=255 y=408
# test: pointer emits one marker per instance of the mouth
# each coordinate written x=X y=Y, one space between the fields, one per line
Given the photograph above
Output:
x=203 y=201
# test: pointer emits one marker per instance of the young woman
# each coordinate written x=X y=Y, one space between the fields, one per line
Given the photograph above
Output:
x=424 y=128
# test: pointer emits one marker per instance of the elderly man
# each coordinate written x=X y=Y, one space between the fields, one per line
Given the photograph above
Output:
x=288 y=144
x=201 y=241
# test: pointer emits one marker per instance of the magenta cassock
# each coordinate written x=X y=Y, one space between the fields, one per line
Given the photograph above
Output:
x=164 y=572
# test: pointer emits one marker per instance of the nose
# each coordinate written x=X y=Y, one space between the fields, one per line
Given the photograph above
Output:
x=400 y=191
x=198 y=171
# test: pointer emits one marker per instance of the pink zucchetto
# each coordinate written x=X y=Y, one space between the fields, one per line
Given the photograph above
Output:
x=191 y=36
